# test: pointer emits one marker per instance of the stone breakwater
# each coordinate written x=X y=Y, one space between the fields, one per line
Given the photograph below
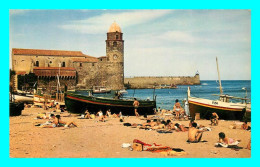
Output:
x=150 y=82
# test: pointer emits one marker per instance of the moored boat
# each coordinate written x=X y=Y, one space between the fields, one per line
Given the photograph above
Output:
x=101 y=89
x=223 y=106
x=77 y=103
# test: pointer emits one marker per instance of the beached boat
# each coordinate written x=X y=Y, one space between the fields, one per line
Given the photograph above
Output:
x=223 y=106
x=15 y=108
x=77 y=103
x=101 y=89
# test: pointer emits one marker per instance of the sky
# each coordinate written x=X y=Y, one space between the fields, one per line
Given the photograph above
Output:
x=157 y=42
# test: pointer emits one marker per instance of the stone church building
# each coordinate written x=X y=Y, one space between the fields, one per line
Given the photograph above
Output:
x=73 y=67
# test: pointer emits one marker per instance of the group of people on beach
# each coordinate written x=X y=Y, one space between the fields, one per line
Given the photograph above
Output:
x=55 y=121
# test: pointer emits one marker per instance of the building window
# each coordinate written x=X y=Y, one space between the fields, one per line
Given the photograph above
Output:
x=93 y=64
x=116 y=36
x=37 y=63
x=80 y=64
x=63 y=64
x=114 y=44
x=50 y=62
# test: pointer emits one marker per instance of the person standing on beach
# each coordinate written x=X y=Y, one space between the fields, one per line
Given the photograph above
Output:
x=136 y=105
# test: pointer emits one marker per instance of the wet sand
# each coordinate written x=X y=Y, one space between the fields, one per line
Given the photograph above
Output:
x=94 y=139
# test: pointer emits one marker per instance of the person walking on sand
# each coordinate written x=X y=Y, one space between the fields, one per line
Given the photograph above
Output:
x=194 y=134
x=136 y=105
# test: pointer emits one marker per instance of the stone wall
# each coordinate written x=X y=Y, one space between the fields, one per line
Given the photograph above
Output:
x=150 y=82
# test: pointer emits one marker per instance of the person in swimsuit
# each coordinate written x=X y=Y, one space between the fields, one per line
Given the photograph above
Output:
x=59 y=123
x=101 y=116
x=194 y=134
x=214 y=118
x=87 y=114
x=177 y=108
x=179 y=127
x=136 y=105
x=108 y=114
x=245 y=126
x=224 y=139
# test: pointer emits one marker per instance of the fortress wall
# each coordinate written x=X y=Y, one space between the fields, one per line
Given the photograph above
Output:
x=150 y=82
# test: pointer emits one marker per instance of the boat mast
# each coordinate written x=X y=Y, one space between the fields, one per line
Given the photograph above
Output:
x=220 y=87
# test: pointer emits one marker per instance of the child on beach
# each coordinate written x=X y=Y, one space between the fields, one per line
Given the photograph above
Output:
x=226 y=140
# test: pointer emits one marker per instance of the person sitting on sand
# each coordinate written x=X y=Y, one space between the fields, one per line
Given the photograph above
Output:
x=108 y=113
x=194 y=134
x=177 y=109
x=87 y=114
x=115 y=115
x=179 y=127
x=191 y=122
x=226 y=140
x=245 y=126
x=101 y=116
x=214 y=119
x=57 y=107
x=136 y=105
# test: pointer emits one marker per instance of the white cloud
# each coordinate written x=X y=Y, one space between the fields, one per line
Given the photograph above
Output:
x=97 y=24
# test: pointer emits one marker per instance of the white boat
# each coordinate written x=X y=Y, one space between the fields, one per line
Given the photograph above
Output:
x=223 y=106
x=101 y=89
x=123 y=91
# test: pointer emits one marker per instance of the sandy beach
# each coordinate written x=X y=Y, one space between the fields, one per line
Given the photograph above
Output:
x=93 y=139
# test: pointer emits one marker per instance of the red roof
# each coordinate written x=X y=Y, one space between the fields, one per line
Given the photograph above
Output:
x=49 y=52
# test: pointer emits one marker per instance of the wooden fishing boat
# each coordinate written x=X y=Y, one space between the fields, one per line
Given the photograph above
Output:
x=77 y=103
x=223 y=106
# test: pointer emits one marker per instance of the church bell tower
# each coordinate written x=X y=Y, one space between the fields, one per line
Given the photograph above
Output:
x=115 y=57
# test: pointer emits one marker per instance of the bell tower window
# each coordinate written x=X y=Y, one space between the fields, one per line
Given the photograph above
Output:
x=116 y=36
x=114 y=44
x=63 y=64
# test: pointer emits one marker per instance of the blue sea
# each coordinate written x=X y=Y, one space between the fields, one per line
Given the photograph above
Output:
x=165 y=98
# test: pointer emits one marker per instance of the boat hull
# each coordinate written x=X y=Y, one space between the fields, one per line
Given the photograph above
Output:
x=79 y=103
x=224 y=111
x=16 y=108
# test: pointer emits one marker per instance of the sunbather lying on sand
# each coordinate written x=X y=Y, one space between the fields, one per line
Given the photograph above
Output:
x=194 y=134
x=59 y=123
x=226 y=140
x=161 y=125
x=179 y=127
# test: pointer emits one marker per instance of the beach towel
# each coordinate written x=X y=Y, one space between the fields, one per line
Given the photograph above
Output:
x=164 y=131
x=226 y=145
x=202 y=141
x=127 y=124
